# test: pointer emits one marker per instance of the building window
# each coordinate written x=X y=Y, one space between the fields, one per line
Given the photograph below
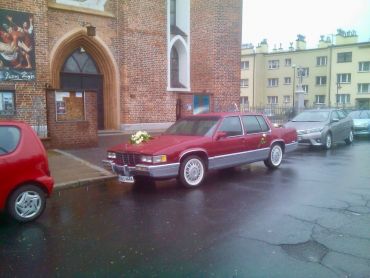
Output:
x=273 y=82
x=272 y=99
x=173 y=12
x=178 y=51
x=244 y=103
x=364 y=88
x=287 y=99
x=344 y=57
x=320 y=80
x=244 y=65
x=288 y=62
x=287 y=80
x=321 y=61
x=320 y=99
x=244 y=82
x=364 y=66
x=344 y=78
x=343 y=98
x=273 y=64
x=7 y=103
x=305 y=88
x=175 y=79
x=304 y=72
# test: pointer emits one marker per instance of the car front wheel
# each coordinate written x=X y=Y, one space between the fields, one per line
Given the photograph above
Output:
x=192 y=171
x=275 y=157
x=328 y=142
x=26 y=203
x=349 y=139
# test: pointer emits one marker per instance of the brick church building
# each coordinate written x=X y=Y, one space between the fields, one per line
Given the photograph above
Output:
x=70 y=66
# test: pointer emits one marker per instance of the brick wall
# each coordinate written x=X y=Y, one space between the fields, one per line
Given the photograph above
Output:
x=73 y=134
x=136 y=36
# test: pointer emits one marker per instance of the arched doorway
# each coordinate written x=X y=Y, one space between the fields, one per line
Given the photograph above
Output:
x=105 y=64
x=80 y=72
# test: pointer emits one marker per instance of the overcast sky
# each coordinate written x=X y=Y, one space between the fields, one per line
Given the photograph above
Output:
x=279 y=21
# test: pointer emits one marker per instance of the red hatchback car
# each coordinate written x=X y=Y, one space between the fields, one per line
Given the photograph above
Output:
x=25 y=179
x=198 y=143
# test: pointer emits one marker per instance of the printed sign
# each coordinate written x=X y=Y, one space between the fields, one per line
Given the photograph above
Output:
x=17 y=46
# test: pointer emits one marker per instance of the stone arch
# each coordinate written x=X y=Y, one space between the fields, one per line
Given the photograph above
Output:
x=104 y=60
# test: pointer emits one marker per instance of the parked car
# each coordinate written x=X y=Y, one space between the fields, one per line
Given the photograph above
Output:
x=322 y=127
x=361 y=122
x=25 y=179
x=198 y=143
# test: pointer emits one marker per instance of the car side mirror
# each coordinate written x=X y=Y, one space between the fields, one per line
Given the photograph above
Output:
x=335 y=120
x=220 y=135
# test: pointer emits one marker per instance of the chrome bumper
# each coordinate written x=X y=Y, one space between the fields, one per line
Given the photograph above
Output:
x=154 y=171
x=314 y=139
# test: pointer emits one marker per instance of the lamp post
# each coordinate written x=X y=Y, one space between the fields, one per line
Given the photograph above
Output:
x=338 y=87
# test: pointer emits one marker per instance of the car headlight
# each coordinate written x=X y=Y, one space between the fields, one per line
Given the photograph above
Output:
x=313 y=130
x=111 y=155
x=154 y=159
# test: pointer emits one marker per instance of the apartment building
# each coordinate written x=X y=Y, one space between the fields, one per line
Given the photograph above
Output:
x=331 y=74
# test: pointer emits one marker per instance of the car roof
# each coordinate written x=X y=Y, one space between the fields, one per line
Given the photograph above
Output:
x=224 y=114
x=14 y=123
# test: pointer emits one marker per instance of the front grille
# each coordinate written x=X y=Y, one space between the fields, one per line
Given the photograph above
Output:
x=130 y=159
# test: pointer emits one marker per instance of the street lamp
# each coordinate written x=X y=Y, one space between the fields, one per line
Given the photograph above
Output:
x=338 y=87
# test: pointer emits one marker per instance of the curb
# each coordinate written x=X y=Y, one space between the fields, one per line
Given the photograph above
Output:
x=106 y=175
x=83 y=182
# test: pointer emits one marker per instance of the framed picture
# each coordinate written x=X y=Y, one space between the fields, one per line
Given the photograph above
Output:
x=70 y=106
x=7 y=103
x=17 y=63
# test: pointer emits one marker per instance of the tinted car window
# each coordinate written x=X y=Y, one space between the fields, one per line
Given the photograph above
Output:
x=263 y=123
x=334 y=115
x=312 y=116
x=341 y=114
x=193 y=126
x=232 y=126
x=9 y=138
x=251 y=124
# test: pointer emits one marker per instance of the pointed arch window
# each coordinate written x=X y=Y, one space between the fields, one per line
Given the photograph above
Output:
x=80 y=62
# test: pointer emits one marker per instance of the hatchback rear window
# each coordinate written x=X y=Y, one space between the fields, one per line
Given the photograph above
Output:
x=9 y=139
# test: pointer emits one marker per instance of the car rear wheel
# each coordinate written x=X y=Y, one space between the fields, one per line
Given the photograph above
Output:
x=192 y=171
x=349 y=139
x=328 y=142
x=26 y=203
x=275 y=157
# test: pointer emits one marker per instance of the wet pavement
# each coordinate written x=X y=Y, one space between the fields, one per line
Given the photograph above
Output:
x=309 y=218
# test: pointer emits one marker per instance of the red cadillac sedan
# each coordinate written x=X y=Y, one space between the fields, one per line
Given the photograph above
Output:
x=25 y=179
x=195 y=144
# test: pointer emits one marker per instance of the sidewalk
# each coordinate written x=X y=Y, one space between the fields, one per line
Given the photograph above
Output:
x=77 y=167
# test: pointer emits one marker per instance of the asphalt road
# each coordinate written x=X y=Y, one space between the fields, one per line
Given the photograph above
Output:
x=309 y=218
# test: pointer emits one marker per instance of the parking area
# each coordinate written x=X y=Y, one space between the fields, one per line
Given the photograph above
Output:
x=309 y=218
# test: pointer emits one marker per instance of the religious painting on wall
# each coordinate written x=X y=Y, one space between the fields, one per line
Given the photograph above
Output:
x=17 y=46
x=90 y=4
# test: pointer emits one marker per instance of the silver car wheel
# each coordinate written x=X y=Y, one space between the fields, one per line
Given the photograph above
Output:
x=349 y=139
x=276 y=155
x=28 y=204
x=193 y=172
x=328 y=141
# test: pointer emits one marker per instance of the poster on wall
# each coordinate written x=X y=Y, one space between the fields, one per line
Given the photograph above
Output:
x=17 y=46
x=90 y=4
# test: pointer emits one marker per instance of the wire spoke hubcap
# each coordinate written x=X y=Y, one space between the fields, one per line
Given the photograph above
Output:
x=194 y=171
x=276 y=155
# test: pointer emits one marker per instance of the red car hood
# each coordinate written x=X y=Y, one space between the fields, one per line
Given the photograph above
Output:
x=157 y=145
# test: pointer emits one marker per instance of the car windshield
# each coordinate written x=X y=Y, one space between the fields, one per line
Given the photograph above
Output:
x=194 y=126
x=364 y=114
x=312 y=116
